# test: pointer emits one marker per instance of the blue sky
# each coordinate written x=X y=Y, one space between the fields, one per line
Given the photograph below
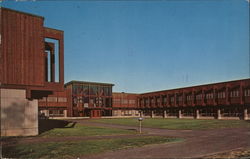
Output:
x=143 y=46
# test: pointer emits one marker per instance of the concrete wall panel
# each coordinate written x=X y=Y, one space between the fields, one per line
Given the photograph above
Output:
x=19 y=116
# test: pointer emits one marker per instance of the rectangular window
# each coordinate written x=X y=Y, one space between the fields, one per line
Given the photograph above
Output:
x=131 y=101
x=117 y=101
x=234 y=93
x=43 y=99
x=108 y=102
x=85 y=90
x=180 y=98
x=62 y=99
x=247 y=92
x=164 y=100
x=199 y=96
x=52 y=99
x=189 y=98
x=171 y=99
x=124 y=101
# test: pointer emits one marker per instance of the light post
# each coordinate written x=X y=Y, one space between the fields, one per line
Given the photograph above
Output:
x=140 y=120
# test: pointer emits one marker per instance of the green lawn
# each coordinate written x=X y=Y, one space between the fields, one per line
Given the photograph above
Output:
x=178 y=123
x=82 y=130
x=80 y=148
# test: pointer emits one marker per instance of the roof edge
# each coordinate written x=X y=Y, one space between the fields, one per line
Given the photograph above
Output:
x=30 y=14
x=87 y=82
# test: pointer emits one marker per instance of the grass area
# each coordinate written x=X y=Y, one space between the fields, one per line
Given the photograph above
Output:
x=187 y=124
x=80 y=148
x=81 y=130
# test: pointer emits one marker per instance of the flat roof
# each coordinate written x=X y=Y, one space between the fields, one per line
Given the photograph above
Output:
x=209 y=84
x=125 y=93
x=87 y=82
x=22 y=12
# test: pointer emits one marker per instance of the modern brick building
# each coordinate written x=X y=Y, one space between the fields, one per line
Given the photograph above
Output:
x=125 y=104
x=54 y=105
x=89 y=99
x=27 y=69
x=219 y=100
x=32 y=78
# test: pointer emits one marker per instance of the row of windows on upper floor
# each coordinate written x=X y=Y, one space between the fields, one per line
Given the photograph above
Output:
x=92 y=90
x=53 y=99
x=220 y=95
x=124 y=101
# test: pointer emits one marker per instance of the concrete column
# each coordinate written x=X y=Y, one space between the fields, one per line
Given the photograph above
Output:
x=245 y=114
x=165 y=114
x=152 y=114
x=46 y=112
x=65 y=113
x=179 y=114
x=197 y=114
x=218 y=113
x=133 y=112
x=141 y=113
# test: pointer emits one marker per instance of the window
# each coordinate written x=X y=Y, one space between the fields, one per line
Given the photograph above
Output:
x=158 y=100
x=43 y=99
x=152 y=101
x=189 y=97
x=146 y=101
x=141 y=102
x=74 y=89
x=131 y=101
x=180 y=98
x=107 y=91
x=199 y=97
x=247 y=92
x=79 y=100
x=52 y=99
x=62 y=99
x=74 y=101
x=171 y=99
x=92 y=102
x=164 y=100
x=93 y=90
x=234 y=93
x=117 y=101
x=108 y=102
x=85 y=90
x=221 y=95
x=124 y=101
x=209 y=96
x=56 y=113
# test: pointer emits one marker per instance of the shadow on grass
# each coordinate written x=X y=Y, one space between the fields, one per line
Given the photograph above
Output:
x=48 y=124
x=132 y=129
x=248 y=121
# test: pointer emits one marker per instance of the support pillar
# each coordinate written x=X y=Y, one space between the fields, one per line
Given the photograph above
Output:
x=65 y=113
x=179 y=114
x=165 y=114
x=218 y=113
x=152 y=114
x=197 y=114
x=141 y=113
x=245 y=114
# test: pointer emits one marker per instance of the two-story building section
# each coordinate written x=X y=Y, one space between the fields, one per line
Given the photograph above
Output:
x=218 y=100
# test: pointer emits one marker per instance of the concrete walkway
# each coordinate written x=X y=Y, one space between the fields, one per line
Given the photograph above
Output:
x=197 y=143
